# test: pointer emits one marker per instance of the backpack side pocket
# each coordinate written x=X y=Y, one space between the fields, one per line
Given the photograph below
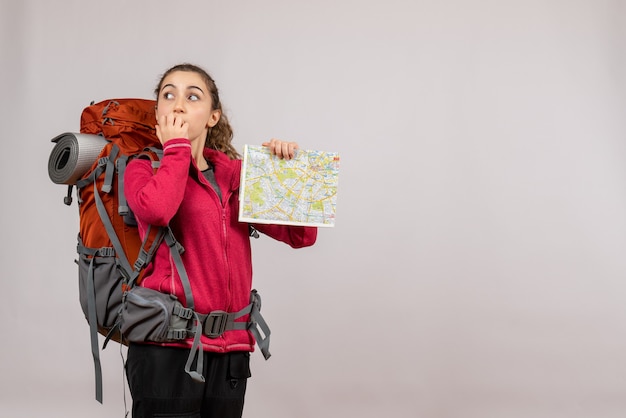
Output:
x=147 y=315
x=100 y=283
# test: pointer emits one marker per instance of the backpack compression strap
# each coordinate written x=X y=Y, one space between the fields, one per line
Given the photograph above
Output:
x=91 y=309
x=196 y=347
x=106 y=165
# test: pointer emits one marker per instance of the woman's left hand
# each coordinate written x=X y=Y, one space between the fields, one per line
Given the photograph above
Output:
x=282 y=149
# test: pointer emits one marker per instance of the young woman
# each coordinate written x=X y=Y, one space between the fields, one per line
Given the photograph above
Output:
x=195 y=192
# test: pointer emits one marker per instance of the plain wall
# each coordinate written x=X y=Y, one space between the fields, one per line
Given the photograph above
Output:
x=476 y=269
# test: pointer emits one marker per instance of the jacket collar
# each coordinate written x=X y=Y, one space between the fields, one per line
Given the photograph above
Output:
x=226 y=170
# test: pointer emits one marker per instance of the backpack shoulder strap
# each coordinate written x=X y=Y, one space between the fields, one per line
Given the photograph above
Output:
x=151 y=153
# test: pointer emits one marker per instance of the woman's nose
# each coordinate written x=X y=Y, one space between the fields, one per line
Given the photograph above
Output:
x=179 y=106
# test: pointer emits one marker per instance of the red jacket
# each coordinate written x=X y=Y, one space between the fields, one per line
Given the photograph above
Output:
x=217 y=254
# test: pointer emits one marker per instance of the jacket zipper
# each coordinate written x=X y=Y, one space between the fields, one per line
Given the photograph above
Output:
x=226 y=259
x=223 y=208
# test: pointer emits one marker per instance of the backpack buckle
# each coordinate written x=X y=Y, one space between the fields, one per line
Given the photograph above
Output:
x=106 y=252
x=215 y=323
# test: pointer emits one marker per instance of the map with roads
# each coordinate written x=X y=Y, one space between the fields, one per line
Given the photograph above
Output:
x=301 y=191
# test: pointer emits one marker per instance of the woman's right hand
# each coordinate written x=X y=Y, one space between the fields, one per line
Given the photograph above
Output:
x=171 y=126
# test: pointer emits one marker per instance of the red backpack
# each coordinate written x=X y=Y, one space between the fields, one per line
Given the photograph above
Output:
x=111 y=253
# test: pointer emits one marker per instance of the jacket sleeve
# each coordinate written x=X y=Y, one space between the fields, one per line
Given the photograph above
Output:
x=295 y=236
x=155 y=197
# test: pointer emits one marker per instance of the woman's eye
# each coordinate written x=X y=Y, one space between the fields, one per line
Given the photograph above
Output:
x=193 y=97
x=168 y=96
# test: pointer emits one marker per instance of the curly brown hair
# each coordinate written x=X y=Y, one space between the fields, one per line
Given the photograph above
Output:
x=221 y=135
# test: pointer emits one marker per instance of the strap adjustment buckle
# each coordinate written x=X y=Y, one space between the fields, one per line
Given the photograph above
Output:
x=215 y=323
x=106 y=252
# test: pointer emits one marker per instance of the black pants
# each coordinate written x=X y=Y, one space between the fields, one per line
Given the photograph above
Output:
x=160 y=387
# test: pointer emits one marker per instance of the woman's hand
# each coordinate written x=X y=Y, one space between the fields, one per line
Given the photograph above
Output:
x=282 y=149
x=171 y=126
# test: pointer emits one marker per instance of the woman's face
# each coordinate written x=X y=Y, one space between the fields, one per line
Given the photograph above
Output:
x=185 y=94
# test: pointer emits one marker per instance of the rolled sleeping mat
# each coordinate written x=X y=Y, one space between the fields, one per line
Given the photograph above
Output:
x=73 y=155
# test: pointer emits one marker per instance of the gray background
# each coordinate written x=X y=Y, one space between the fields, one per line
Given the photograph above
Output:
x=477 y=264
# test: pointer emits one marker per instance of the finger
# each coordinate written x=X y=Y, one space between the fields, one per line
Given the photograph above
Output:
x=279 y=149
x=184 y=128
x=171 y=120
x=289 y=150
x=286 y=153
x=292 y=149
x=271 y=145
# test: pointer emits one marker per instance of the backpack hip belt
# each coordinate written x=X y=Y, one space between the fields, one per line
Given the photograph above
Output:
x=217 y=322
